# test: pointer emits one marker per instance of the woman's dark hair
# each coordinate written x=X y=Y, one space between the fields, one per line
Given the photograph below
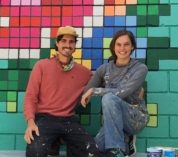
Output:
x=116 y=36
x=58 y=39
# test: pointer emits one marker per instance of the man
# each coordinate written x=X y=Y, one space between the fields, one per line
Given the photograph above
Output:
x=53 y=91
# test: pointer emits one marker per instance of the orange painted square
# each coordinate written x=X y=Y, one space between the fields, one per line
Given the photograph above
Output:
x=4 y=32
x=24 y=21
x=120 y=10
x=109 y=10
x=131 y=1
x=67 y=11
x=14 y=21
x=46 y=11
x=55 y=21
x=35 y=21
x=4 y=11
x=56 y=11
x=120 y=1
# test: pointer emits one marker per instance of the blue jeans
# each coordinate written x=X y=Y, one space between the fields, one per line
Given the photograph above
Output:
x=119 y=117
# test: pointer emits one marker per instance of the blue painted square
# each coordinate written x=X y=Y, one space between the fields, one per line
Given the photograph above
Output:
x=133 y=54
x=108 y=32
x=97 y=32
x=97 y=43
x=132 y=29
x=120 y=21
x=97 y=54
x=141 y=53
x=131 y=20
x=96 y=63
x=87 y=42
x=116 y=29
x=109 y=21
x=86 y=54
x=141 y=42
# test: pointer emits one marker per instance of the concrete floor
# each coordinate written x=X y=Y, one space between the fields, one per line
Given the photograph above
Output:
x=22 y=154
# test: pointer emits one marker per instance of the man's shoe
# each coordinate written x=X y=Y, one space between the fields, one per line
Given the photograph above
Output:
x=132 y=145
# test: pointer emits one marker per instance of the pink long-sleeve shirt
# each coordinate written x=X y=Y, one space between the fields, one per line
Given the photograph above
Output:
x=52 y=90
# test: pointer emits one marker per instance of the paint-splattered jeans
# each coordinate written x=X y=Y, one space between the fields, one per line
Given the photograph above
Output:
x=119 y=117
x=67 y=128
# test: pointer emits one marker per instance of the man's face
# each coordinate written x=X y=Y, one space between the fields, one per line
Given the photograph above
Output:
x=66 y=46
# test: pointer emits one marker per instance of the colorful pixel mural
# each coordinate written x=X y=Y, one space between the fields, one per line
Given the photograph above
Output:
x=27 y=33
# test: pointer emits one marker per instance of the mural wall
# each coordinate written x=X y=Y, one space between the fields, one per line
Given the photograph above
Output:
x=27 y=33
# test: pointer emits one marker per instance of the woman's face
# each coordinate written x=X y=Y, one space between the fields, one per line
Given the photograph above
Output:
x=123 y=47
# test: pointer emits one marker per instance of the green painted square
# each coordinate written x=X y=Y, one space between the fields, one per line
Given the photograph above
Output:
x=141 y=10
x=3 y=96
x=106 y=53
x=20 y=101
x=173 y=81
x=24 y=64
x=32 y=63
x=96 y=104
x=23 y=79
x=13 y=75
x=52 y=42
x=141 y=20
x=142 y=32
x=164 y=1
x=44 y=53
x=142 y=1
x=106 y=42
x=153 y=10
x=3 y=75
x=12 y=85
x=153 y=1
x=141 y=145
x=85 y=119
x=174 y=126
x=153 y=20
x=11 y=107
x=156 y=42
x=131 y=10
x=20 y=143
x=2 y=106
x=3 y=85
x=11 y=96
x=7 y=142
x=12 y=63
x=164 y=10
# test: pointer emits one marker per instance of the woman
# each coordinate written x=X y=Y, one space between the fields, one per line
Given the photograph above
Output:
x=119 y=82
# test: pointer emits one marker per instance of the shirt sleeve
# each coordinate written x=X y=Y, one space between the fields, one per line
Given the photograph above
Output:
x=32 y=92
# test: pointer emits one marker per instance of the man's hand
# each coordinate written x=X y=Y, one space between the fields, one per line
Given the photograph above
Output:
x=32 y=127
x=86 y=97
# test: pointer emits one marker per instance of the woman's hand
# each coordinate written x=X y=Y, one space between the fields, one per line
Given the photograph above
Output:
x=86 y=97
x=32 y=127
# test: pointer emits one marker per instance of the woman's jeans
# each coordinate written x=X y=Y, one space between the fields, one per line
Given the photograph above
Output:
x=119 y=117
x=67 y=128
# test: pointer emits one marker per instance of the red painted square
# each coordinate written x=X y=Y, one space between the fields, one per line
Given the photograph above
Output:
x=24 y=21
x=46 y=2
x=78 y=2
x=14 y=21
x=25 y=11
x=15 y=11
x=55 y=21
x=106 y=2
x=56 y=2
x=4 y=42
x=67 y=2
x=78 y=21
x=54 y=32
x=5 y=2
x=4 y=32
x=4 y=11
x=35 y=21
x=67 y=11
x=56 y=11
x=88 y=2
x=46 y=21
x=46 y=11
x=77 y=10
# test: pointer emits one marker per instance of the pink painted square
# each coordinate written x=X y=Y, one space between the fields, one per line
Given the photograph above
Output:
x=24 y=32
x=15 y=11
x=15 y=2
x=88 y=2
x=25 y=11
x=88 y=10
x=78 y=2
x=36 y=2
x=35 y=11
x=46 y=21
x=5 y=2
x=35 y=42
x=24 y=42
x=35 y=32
x=14 y=32
x=14 y=42
x=77 y=10
x=66 y=21
x=25 y=2
x=4 y=42
x=78 y=21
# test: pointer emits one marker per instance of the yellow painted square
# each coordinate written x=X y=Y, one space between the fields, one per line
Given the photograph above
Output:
x=153 y=121
x=78 y=61
x=11 y=107
x=87 y=63
x=77 y=53
x=106 y=54
x=152 y=108
x=106 y=42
